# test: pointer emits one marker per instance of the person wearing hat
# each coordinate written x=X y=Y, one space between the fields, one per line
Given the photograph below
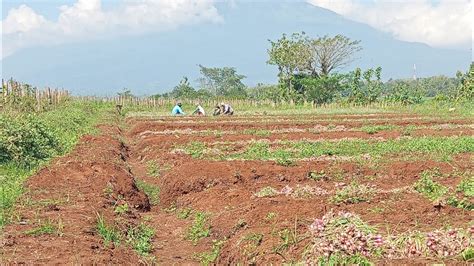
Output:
x=199 y=110
x=177 y=109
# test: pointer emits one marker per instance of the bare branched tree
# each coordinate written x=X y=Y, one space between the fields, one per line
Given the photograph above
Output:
x=330 y=53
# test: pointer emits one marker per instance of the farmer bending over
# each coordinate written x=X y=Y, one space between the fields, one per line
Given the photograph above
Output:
x=199 y=110
x=177 y=109
x=217 y=110
x=226 y=109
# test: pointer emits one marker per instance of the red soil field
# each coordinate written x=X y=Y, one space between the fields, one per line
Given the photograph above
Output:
x=72 y=190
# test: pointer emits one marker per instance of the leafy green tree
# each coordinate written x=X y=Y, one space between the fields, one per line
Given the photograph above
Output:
x=125 y=93
x=291 y=55
x=404 y=93
x=466 y=89
x=299 y=57
x=265 y=92
x=356 y=94
x=183 y=90
x=223 y=81
x=322 y=89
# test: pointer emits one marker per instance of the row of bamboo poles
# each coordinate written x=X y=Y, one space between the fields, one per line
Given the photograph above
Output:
x=153 y=102
x=20 y=96
x=17 y=95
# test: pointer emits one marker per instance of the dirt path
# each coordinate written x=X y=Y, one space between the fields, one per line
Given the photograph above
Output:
x=170 y=245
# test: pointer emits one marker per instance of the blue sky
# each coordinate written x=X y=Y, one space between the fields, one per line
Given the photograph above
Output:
x=98 y=47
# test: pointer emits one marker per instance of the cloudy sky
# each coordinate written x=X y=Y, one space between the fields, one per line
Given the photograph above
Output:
x=443 y=23
x=135 y=39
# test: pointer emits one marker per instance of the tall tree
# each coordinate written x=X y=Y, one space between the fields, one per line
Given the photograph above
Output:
x=290 y=55
x=223 y=81
x=331 y=53
x=183 y=90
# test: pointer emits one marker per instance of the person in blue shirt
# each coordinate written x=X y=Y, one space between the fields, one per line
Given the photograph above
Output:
x=177 y=109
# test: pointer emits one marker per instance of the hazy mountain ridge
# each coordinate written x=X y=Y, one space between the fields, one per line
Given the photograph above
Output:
x=156 y=62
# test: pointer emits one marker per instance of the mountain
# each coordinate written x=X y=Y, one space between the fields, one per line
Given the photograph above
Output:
x=154 y=63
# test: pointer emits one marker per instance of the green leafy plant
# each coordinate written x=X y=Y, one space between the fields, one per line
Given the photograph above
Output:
x=316 y=176
x=184 y=213
x=466 y=186
x=429 y=188
x=152 y=191
x=121 y=209
x=200 y=227
x=153 y=169
x=468 y=254
x=208 y=258
x=139 y=238
x=270 y=216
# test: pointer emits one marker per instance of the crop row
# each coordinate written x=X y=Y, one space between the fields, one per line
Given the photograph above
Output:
x=369 y=129
x=442 y=147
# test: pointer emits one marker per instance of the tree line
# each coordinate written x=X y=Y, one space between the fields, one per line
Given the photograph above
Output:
x=308 y=72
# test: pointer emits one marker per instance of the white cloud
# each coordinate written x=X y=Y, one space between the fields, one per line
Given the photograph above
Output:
x=86 y=20
x=447 y=23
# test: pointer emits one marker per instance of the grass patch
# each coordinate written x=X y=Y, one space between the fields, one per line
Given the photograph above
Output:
x=287 y=239
x=339 y=259
x=153 y=169
x=440 y=148
x=373 y=129
x=195 y=149
x=47 y=228
x=200 y=228
x=249 y=244
x=110 y=234
x=152 y=191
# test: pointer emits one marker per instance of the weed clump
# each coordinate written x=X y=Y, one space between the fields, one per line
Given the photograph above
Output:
x=46 y=228
x=207 y=258
x=110 y=234
x=429 y=188
x=200 y=227
x=139 y=238
x=152 y=191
